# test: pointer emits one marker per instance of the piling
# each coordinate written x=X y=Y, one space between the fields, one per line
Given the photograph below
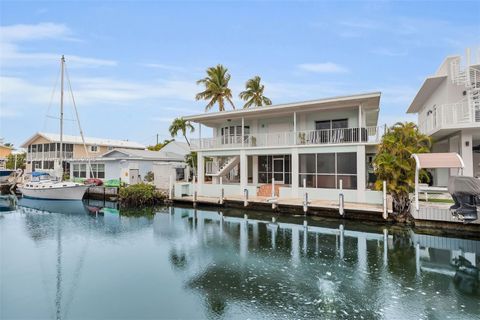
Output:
x=245 y=197
x=385 y=209
x=341 y=208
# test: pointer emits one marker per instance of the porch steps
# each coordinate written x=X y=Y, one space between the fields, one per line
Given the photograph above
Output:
x=265 y=190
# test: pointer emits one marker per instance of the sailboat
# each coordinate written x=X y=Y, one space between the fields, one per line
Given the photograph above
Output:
x=44 y=186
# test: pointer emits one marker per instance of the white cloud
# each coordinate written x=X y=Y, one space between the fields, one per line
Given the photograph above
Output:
x=389 y=52
x=325 y=67
x=162 y=66
x=22 y=32
x=12 y=56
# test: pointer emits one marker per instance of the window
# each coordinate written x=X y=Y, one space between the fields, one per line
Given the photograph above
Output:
x=79 y=170
x=48 y=165
x=180 y=174
x=93 y=148
x=109 y=148
x=331 y=124
x=97 y=170
x=325 y=170
x=233 y=134
x=46 y=147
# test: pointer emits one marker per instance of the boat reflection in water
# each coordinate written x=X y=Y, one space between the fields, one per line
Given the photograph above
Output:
x=188 y=263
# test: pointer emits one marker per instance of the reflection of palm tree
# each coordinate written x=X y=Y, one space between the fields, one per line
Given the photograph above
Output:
x=178 y=260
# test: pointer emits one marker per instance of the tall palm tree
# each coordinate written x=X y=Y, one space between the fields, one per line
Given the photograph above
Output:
x=253 y=94
x=394 y=164
x=216 y=88
x=179 y=124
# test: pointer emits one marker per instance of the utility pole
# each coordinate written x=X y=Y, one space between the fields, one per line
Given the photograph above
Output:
x=157 y=138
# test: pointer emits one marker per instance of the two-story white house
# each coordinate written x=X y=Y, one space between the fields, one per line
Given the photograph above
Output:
x=448 y=108
x=304 y=146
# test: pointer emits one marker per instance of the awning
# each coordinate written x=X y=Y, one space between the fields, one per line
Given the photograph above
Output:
x=438 y=160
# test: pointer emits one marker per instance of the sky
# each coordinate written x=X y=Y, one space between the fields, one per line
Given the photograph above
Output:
x=133 y=65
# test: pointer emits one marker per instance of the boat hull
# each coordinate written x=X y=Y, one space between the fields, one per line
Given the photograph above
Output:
x=59 y=193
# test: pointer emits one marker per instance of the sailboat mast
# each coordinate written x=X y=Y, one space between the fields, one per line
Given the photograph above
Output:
x=61 y=115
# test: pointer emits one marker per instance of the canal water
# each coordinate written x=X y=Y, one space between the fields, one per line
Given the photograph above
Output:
x=74 y=260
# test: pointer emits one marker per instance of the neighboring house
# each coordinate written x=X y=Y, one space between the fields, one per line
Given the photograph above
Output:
x=131 y=166
x=5 y=151
x=43 y=149
x=177 y=147
x=448 y=108
x=319 y=143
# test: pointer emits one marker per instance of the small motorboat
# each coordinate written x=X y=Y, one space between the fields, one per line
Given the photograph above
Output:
x=465 y=192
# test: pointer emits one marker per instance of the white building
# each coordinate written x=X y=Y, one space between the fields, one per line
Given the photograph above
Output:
x=131 y=166
x=448 y=108
x=320 y=143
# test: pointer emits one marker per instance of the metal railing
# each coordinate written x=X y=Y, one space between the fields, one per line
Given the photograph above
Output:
x=291 y=138
x=449 y=115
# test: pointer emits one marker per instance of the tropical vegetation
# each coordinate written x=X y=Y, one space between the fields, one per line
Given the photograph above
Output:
x=159 y=145
x=140 y=194
x=253 y=94
x=180 y=124
x=395 y=165
x=17 y=161
x=216 y=88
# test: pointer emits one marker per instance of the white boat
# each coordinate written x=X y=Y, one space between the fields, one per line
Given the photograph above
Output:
x=42 y=185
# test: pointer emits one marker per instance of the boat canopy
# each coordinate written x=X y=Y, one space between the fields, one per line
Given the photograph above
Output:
x=39 y=174
x=438 y=160
x=435 y=161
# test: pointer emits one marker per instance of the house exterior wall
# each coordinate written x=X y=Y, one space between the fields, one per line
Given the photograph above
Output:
x=5 y=152
x=119 y=169
x=163 y=171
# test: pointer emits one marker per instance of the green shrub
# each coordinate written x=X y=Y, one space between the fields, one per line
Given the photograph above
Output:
x=140 y=195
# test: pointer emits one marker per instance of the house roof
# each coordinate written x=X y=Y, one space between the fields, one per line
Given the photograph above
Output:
x=368 y=101
x=53 y=137
x=177 y=147
x=428 y=87
x=144 y=154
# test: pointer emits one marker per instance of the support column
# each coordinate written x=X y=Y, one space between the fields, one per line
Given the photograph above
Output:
x=255 y=170
x=294 y=180
x=360 y=119
x=243 y=171
x=294 y=128
x=361 y=173
x=200 y=170
x=466 y=151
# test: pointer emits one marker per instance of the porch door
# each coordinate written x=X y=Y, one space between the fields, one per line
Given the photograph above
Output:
x=279 y=170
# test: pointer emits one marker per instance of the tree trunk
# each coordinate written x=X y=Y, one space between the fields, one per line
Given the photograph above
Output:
x=401 y=208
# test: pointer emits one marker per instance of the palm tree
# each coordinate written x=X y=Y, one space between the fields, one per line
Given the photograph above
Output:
x=253 y=94
x=394 y=164
x=179 y=124
x=216 y=88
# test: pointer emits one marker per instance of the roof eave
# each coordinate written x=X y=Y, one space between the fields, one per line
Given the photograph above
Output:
x=281 y=107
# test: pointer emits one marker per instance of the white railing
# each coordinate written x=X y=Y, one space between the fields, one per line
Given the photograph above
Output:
x=278 y=139
x=450 y=115
x=48 y=155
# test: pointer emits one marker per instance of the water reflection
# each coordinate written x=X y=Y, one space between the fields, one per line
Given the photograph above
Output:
x=228 y=265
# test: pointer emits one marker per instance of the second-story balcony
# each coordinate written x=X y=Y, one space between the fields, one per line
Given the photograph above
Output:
x=450 y=116
x=290 y=138
x=48 y=155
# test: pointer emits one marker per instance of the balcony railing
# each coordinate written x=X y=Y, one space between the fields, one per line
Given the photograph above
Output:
x=279 y=139
x=48 y=155
x=449 y=116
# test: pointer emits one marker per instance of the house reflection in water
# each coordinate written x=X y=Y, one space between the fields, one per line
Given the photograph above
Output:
x=289 y=265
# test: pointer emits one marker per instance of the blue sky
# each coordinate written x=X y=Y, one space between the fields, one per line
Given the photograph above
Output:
x=133 y=64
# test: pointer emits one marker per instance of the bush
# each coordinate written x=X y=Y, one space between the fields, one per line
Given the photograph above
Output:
x=140 y=194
